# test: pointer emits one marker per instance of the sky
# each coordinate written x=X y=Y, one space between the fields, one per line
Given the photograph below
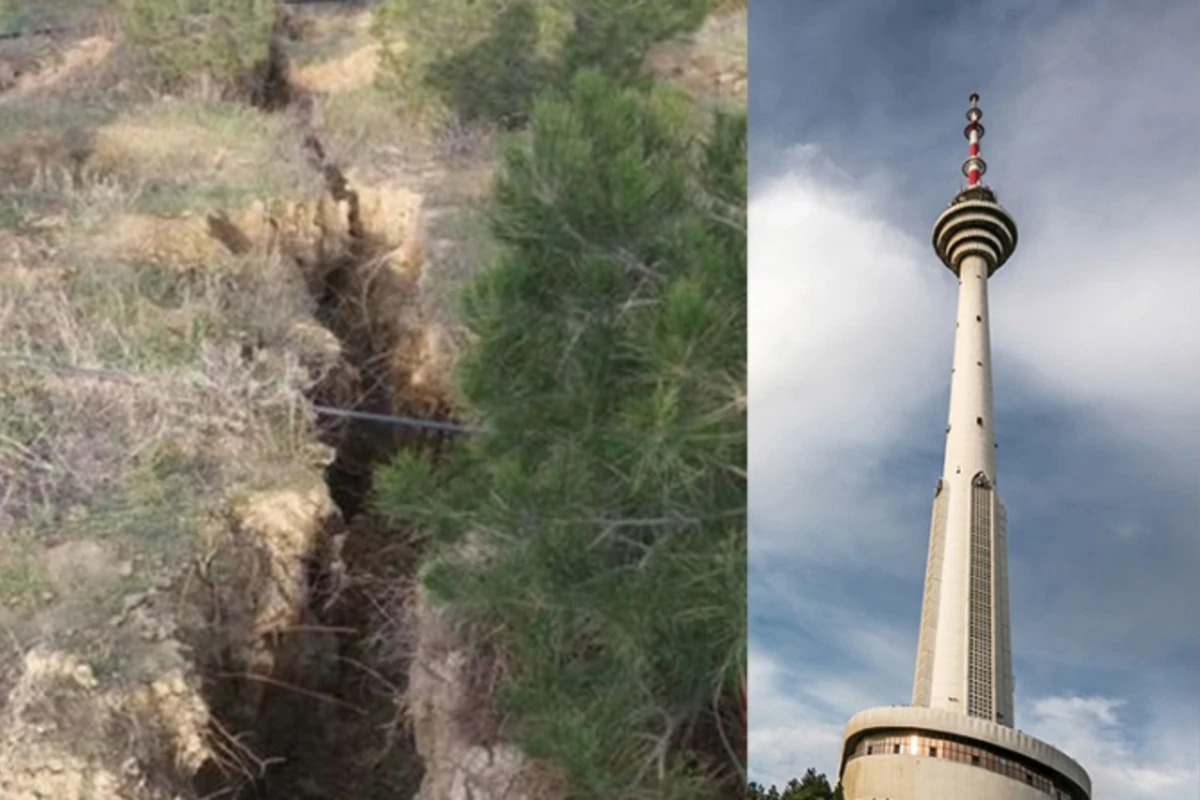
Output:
x=856 y=118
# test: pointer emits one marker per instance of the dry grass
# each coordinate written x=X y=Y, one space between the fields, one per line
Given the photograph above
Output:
x=115 y=267
x=183 y=156
x=353 y=70
x=361 y=120
x=137 y=457
x=711 y=65
x=87 y=54
x=331 y=26
x=336 y=53
x=24 y=15
x=93 y=163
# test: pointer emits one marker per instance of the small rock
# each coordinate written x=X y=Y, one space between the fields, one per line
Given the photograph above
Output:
x=133 y=601
x=53 y=222
x=125 y=569
x=84 y=676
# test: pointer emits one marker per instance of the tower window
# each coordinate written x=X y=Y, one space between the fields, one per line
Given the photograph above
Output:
x=978 y=318
x=979 y=363
x=975 y=760
x=895 y=748
x=979 y=421
x=933 y=752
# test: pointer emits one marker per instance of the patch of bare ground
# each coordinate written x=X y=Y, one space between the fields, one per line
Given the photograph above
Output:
x=19 y=80
x=450 y=706
x=139 y=743
x=710 y=65
x=354 y=70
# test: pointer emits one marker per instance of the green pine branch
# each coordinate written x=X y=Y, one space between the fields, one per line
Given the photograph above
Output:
x=609 y=495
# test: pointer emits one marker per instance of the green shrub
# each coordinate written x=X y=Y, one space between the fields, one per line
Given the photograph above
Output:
x=485 y=60
x=496 y=79
x=18 y=16
x=614 y=36
x=609 y=494
x=180 y=40
x=434 y=49
x=813 y=786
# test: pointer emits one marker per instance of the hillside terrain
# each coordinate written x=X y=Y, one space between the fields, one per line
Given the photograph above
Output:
x=226 y=304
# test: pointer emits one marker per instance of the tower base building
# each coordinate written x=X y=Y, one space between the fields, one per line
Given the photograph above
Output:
x=911 y=753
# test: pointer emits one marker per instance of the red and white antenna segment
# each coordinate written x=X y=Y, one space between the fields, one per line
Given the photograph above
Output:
x=974 y=167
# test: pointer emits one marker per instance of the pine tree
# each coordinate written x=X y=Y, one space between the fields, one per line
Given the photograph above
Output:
x=813 y=786
x=486 y=60
x=608 y=496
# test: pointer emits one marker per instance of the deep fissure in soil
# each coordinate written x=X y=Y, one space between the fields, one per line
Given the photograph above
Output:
x=328 y=720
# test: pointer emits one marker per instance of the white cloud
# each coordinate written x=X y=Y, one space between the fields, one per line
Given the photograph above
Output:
x=843 y=312
x=882 y=652
x=1100 y=301
x=1162 y=766
x=801 y=696
x=787 y=735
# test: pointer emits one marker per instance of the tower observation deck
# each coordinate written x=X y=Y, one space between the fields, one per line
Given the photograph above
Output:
x=957 y=740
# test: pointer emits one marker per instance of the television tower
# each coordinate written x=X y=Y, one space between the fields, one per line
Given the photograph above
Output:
x=957 y=739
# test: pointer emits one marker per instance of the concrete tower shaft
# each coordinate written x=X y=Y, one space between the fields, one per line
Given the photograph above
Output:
x=964 y=652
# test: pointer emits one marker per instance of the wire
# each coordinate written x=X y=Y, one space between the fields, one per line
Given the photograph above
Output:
x=323 y=410
x=391 y=419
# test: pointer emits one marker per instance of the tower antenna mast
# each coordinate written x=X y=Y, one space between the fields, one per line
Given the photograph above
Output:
x=974 y=167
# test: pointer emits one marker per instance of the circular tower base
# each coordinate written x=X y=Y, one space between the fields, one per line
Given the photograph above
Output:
x=907 y=753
